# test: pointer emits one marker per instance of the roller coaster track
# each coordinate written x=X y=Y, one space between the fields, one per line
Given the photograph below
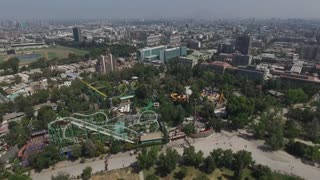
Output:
x=93 y=88
x=57 y=133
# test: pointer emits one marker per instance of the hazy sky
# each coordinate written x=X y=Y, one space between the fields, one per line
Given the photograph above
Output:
x=70 y=9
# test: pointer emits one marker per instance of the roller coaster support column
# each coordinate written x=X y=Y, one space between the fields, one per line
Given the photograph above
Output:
x=73 y=135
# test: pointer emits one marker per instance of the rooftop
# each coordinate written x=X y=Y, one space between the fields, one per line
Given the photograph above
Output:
x=151 y=136
x=10 y=116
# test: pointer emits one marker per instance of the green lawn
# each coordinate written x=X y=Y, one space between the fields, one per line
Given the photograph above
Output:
x=285 y=177
x=224 y=174
x=50 y=53
x=1 y=58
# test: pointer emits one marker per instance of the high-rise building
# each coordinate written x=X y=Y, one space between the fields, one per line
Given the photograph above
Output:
x=243 y=44
x=77 y=34
x=105 y=64
x=194 y=44
x=310 y=52
x=227 y=48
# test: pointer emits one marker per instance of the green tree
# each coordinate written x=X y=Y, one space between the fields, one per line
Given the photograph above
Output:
x=17 y=134
x=242 y=159
x=147 y=159
x=88 y=148
x=294 y=96
x=45 y=159
x=191 y=157
x=313 y=128
x=100 y=149
x=189 y=129
x=201 y=177
x=13 y=64
x=182 y=173
x=209 y=164
x=275 y=139
x=152 y=177
x=116 y=146
x=239 y=109
x=86 y=173
x=291 y=129
x=17 y=79
x=45 y=115
x=227 y=158
x=168 y=162
x=261 y=172
x=76 y=151
x=19 y=177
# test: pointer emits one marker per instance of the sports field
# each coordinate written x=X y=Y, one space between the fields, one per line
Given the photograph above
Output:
x=29 y=55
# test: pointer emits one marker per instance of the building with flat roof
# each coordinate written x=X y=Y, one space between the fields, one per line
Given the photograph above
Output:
x=243 y=44
x=192 y=59
x=77 y=35
x=309 y=52
x=153 y=40
x=150 y=54
x=297 y=67
x=171 y=53
x=154 y=137
x=160 y=53
x=194 y=44
x=33 y=45
x=241 y=60
x=298 y=79
x=105 y=64
x=226 y=47
x=216 y=66
x=175 y=40
x=253 y=73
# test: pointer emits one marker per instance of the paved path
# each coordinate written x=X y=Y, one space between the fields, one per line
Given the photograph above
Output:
x=141 y=175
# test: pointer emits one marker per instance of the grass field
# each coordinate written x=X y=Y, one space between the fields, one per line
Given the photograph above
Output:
x=125 y=173
x=49 y=53
x=222 y=174
x=193 y=173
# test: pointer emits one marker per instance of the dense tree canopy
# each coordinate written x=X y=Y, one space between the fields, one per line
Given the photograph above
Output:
x=168 y=161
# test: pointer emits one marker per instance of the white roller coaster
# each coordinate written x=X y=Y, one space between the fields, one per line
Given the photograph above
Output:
x=120 y=128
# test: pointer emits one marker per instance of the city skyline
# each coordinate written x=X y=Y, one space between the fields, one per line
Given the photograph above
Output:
x=152 y=9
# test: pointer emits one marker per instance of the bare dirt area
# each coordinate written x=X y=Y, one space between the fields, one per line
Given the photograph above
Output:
x=125 y=173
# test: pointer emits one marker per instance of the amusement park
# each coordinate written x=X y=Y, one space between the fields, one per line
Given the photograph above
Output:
x=121 y=123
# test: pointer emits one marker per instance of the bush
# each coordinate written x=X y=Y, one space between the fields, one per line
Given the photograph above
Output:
x=182 y=173
x=152 y=177
x=189 y=129
x=86 y=173
x=83 y=160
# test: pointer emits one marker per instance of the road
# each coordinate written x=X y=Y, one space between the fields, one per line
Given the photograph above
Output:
x=277 y=161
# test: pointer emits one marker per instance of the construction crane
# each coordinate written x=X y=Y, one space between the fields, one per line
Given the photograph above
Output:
x=93 y=88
